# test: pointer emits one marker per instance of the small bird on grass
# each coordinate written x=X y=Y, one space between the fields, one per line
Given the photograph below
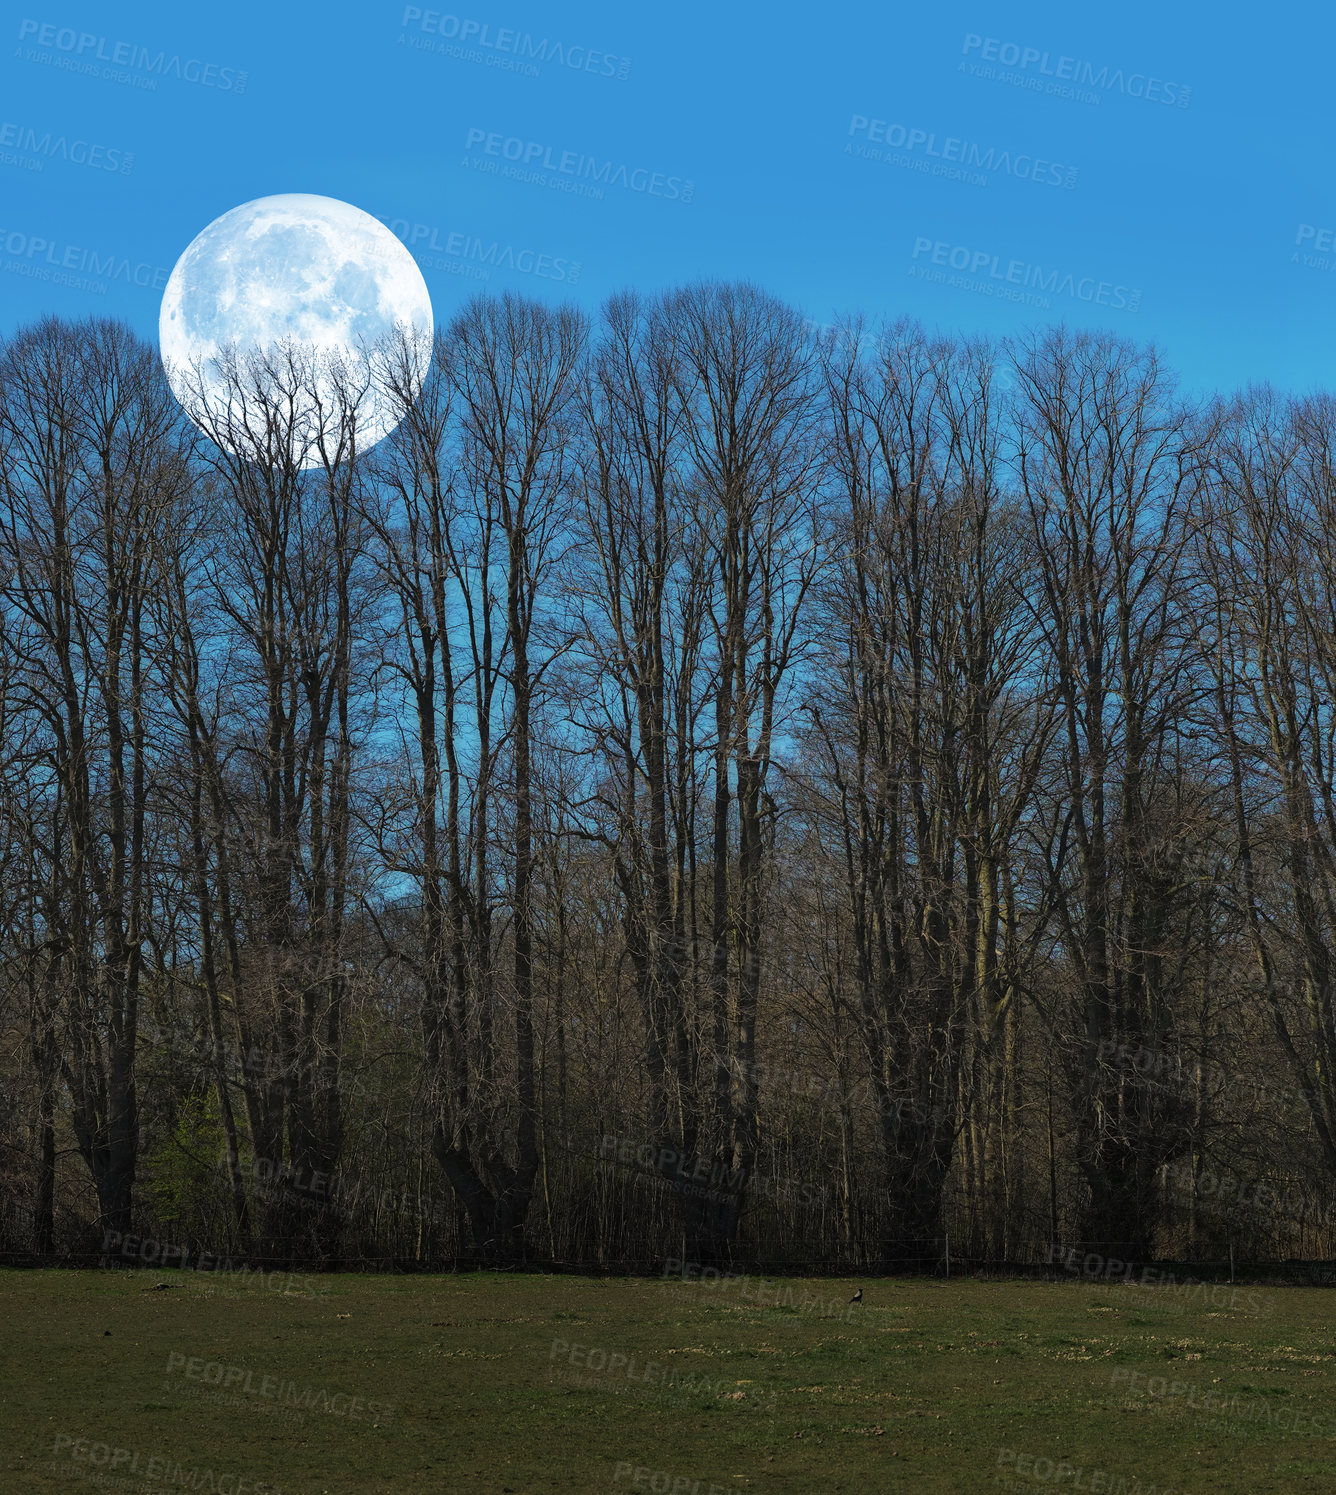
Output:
x=857 y=1297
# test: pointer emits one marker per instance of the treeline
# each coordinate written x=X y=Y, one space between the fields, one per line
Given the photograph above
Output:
x=700 y=788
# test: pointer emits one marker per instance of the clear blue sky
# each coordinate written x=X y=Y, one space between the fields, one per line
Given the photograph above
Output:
x=872 y=156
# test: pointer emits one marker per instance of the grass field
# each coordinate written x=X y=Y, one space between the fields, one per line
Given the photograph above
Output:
x=488 y=1383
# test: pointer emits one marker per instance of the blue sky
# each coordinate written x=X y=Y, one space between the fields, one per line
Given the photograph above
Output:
x=1162 y=174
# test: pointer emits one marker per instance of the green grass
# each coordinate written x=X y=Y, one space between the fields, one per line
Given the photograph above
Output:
x=920 y=1390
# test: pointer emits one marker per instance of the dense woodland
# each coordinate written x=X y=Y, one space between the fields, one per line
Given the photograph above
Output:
x=704 y=787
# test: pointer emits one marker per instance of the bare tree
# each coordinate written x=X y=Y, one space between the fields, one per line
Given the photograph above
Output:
x=641 y=691
x=276 y=749
x=1272 y=592
x=1111 y=464
x=86 y=422
x=476 y=497
x=690 y=790
x=930 y=727
x=745 y=375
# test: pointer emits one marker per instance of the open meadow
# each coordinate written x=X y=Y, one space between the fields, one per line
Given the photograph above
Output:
x=246 y=1384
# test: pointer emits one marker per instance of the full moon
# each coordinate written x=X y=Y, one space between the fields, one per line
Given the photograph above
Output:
x=309 y=283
